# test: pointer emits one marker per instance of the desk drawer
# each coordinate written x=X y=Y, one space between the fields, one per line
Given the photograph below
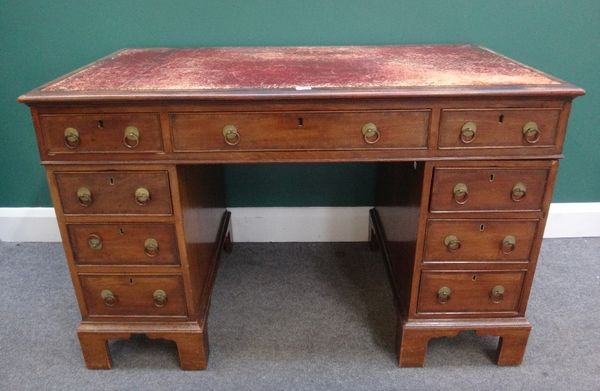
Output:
x=476 y=291
x=133 y=295
x=115 y=192
x=488 y=189
x=300 y=130
x=114 y=133
x=498 y=128
x=123 y=244
x=479 y=240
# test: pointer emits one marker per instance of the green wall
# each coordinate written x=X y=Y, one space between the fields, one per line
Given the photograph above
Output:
x=40 y=40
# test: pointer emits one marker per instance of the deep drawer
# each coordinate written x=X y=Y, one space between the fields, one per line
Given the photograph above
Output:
x=395 y=129
x=133 y=295
x=477 y=291
x=115 y=192
x=488 y=189
x=114 y=133
x=123 y=244
x=479 y=240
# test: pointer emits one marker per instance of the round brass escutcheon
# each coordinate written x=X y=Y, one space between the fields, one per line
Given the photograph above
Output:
x=151 y=247
x=142 y=196
x=231 y=135
x=497 y=293
x=108 y=297
x=518 y=192
x=509 y=243
x=95 y=242
x=468 y=132
x=370 y=133
x=84 y=195
x=443 y=294
x=131 y=138
x=531 y=132
x=452 y=243
x=461 y=193
x=72 y=139
x=160 y=298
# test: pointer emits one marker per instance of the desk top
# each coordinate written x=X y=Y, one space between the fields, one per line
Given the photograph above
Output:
x=299 y=72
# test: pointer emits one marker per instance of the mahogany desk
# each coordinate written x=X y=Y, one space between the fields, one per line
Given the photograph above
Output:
x=467 y=142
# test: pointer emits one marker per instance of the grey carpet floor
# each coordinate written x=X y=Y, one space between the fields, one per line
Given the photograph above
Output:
x=300 y=316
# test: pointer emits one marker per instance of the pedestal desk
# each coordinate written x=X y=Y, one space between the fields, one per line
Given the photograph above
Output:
x=466 y=142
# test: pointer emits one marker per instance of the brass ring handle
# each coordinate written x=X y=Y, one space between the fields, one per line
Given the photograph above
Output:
x=95 y=242
x=443 y=294
x=468 y=132
x=518 y=191
x=509 y=243
x=370 y=133
x=72 y=139
x=151 y=247
x=231 y=135
x=461 y=193
x=108 y=297
x=452 y=243
x=142 y=196
x=497 y=293
x=84 y=195
x=160 y=298
x=131 y=138
x=531 y=132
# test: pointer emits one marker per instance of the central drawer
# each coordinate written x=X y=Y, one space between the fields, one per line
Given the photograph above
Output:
x=264 y=131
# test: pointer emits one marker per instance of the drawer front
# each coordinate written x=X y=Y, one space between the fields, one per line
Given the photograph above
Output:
x=114 y=133
x=488 y=189
x=123 y=244
x=133 y=295
x=477 y=291
x=479 y=240
x=498 y=128
x=300 y=130
x=115 y=192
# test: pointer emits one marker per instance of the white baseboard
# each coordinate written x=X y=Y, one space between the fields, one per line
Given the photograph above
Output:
x=295 y=224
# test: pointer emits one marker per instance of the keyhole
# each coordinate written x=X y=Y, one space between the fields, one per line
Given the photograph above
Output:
x=474 y=278
x=121 y=231
x=111 y=181
x=501 y=118
x=130 y=280
x=300 y=122
x=492 y=177
x=100 y=123
x=481 y=228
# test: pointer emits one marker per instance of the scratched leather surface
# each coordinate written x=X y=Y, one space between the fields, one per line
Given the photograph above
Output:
x=291 y=67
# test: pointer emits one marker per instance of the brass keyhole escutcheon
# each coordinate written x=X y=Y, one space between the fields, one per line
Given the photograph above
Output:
x=509 y=243
x=231 y=135
x=131 y=138
x=518 y=192
x=108 y=297
x=443 y=294
x=531 y=132
x=95 y=242
x=452 y=243
x=468 y=132
x=151 y=247
x=160 y=298
x=142 y=196
x=461 y=193
x=497 y=293
x=84 y=195
x=370 y=133
x=72 y=139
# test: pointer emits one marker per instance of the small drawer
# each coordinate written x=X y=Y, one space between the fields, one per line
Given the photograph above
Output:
x=479 y=240
x=115 y=192
x=477 y=291
x=133 y=295
x=123 y=244
x=488 y=189
x=114 y=133
x=393 y=129
x=498 y=128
